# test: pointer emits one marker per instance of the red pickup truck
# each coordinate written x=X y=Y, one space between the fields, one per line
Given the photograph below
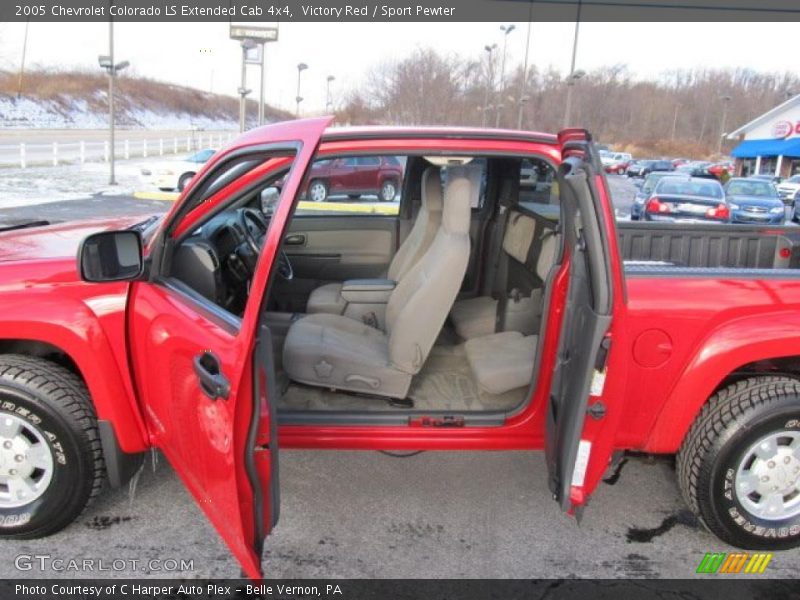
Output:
x=481 y=317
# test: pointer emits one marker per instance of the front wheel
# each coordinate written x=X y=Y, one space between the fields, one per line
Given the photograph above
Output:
x=317 y=191
x=388 y=191
x=620 y=171
x=739 y=466
x=184 y=181
x=51 y=462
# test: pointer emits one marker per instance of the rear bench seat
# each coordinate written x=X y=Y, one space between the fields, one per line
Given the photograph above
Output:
x=503 y=360
x=528 y=252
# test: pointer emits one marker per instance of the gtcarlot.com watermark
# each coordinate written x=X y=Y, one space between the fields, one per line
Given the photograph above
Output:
x=50 y=563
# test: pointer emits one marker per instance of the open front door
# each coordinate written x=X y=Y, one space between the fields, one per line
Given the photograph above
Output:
x=204 y=387
x=576 y=454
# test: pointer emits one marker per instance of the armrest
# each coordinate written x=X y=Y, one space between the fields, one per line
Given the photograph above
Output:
x=367 y=291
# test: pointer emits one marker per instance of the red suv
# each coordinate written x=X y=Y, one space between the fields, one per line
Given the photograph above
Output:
x=354 y=176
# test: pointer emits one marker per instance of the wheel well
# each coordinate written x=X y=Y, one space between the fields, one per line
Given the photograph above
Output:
x=41 y=350
x=785 y=365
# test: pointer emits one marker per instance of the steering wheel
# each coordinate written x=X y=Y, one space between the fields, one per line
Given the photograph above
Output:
x=254 y=226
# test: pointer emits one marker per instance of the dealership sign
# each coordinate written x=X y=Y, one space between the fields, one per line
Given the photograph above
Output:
x=783 y=129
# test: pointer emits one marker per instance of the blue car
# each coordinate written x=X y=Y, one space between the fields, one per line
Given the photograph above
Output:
x=754 y=200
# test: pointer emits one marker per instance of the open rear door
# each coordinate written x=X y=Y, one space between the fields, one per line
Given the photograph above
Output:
x=203 y=375
x=576 y=395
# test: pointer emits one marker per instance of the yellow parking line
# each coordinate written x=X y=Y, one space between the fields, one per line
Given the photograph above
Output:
x=356 y=207
x=169 y=196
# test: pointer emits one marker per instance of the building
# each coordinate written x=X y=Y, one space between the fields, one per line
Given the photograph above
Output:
x=770 y=144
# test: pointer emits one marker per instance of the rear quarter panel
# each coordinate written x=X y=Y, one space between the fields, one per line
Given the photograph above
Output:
x=687 y=334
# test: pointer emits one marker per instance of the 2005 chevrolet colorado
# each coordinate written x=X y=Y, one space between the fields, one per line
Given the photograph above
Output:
x=481 y=316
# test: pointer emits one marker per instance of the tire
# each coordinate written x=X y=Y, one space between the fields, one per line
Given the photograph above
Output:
x=50 y=409
x=317 y=191
x=388 y=191
x=184 y=181
x=719 y=458
x=620 y=172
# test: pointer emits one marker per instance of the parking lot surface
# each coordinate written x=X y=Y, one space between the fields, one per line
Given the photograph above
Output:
x=434 y=515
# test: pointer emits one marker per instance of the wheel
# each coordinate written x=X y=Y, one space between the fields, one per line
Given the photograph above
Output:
x=739 y=466
x=354 y=196
x=184 y=181
x=388 y=191
x=51 y=462
x=317 y=191
x=620 y=171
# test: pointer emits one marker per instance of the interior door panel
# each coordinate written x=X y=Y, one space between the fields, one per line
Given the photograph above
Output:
x=330 y=248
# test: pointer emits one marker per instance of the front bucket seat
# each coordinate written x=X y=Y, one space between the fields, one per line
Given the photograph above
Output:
x=337 y=352
x=328 y=298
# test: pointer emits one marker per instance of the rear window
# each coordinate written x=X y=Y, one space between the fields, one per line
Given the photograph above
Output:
x=675 y=186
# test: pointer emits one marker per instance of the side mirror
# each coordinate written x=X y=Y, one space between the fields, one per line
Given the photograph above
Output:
x=111 y=256
x=269 y=199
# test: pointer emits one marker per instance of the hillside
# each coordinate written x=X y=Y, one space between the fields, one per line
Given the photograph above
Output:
x=78 y=99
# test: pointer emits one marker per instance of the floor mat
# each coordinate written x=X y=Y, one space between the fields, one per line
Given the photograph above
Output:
x=445 y=383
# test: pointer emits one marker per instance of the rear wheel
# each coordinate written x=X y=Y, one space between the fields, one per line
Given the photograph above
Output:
x=388 y=191
x=51 y=463
x=317 y=191
x=184 y=181
x=620 y=171
x=739 y=466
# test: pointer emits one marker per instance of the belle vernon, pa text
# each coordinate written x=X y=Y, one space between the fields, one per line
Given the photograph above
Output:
x=211 y=589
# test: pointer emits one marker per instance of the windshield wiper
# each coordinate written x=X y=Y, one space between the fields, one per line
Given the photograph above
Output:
x=24 y=225
x=146 y=223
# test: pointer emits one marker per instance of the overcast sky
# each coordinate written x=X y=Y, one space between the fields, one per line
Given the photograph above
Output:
x=201 y=54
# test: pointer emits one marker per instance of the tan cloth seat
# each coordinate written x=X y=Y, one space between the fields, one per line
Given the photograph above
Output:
x=502 y=361
x=335 y=351
x=475 y=317
x=327 y=298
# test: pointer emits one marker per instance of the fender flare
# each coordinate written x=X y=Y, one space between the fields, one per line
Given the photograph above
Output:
x=71 y=326
x=724 y=351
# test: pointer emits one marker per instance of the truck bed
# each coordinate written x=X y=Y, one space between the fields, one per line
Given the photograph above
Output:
x=685 y=245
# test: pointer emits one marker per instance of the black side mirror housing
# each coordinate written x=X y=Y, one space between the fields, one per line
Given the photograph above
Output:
x=111 y=256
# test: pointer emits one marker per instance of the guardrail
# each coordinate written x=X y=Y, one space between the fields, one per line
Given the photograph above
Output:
x=24 y=155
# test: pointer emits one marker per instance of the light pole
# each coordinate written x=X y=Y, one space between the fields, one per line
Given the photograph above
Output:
x=328 y=101
x=298 y=99
x=106 y=62
x=489 y=79
x=506 y=29
x=22 y=62
x=675 y=120
x=243 y=91
x=524 y=81
x=573 y=76
x=725 y=100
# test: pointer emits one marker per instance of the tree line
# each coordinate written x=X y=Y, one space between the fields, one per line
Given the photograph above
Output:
x=680 y=113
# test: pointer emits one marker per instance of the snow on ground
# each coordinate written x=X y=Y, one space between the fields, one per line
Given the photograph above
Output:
x=24 y=113
x=36 y=185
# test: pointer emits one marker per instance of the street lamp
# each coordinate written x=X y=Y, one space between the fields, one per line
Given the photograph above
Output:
x=490 y=79
x=573 y=76
x=298 y=99
x=328 y=102
x=506 y=29
x=524 y=80
x=106 y=61
x=725 y=100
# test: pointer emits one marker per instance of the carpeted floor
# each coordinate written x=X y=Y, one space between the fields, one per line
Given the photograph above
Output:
x=445 y=383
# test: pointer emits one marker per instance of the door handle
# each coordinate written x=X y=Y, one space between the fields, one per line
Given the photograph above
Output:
x=213 y=383
x=295 y=239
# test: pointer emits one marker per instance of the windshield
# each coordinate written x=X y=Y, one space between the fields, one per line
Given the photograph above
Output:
x=683 y=187
x=752 y=188
x=201 y=157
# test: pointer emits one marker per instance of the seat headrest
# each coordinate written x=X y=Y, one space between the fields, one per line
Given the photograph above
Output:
x=461 y=191
x=520 y=232
x=432 y=189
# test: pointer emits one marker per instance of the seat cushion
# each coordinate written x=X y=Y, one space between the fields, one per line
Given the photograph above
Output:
x=337 y=352
x=327 y=299
x=474 y=317
x=502 y=361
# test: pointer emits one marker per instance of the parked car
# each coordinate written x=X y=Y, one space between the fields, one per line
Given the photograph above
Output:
x=644 y=192
x=754 y=201
x=643 y=168
x=618 y=166
x=355 y=176
x=776 y=179
x=612 y=158
x=677 y=162
x=687 y=199
x=177 y=173
x=164 y=334
x=789 y=189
